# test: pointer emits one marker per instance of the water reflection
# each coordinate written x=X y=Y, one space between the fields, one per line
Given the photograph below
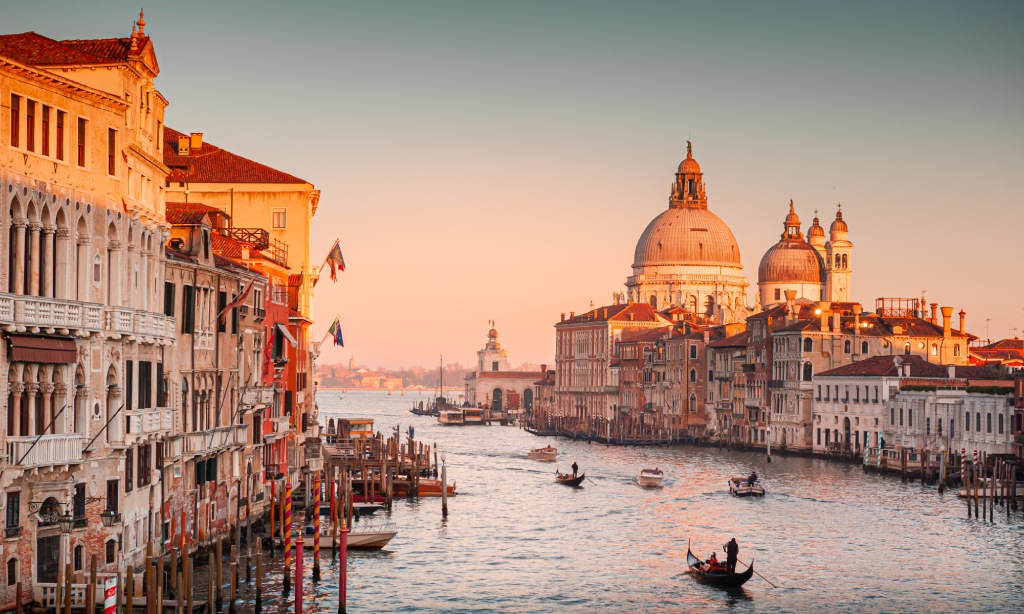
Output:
x=830 y=536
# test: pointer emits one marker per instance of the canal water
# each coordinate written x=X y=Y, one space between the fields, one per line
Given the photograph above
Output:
x=829 y=536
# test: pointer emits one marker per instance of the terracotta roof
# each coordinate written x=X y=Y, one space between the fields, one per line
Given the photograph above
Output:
x=211 y=164
x=643 y=335
x=736 y=341
x=37 y=50
x=888 y=366
x=229 y=248
x=191 y=214
x=641 y=312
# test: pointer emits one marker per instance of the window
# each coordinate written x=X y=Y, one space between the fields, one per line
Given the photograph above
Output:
x=15 y=123
x=61 y=120
x=13 y=509
x=938 y=426
x=129 y=469
x=901 y=416
x=711 y=375
x=12 y=572
x=112 y=495
x=808 y=345
x=935 y=350
x=910 y=417
x=808 y=371
x=977 y=422
x=30 y=125
x=280 y=218
x=222 y=303
x=988 y=423
x=906 y=348
x=82 y=132
x=145 y=464
x=693 y=351
x=79 y=501
x=693 y=403
x=161 y=386
x=188 y=309
x=111 y=151
x=145 y=384
x=817 y=396
x=169 y=298
x=78 y=557
x=111 y=551
x=967 y=423
x=863 y=347
x=129 y=386
x=1000 y=424
x=927 y=426
x=956 y=350
x=778 y=294
x=494 y=366
x=46 y=130
x=846 y=347
x=892 y=416
x=693 y=375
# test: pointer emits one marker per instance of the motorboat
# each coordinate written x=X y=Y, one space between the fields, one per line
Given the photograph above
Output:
x=650 y=477
x=547 y=454
x=429 y=487
x=746 y=487
x=369 y=538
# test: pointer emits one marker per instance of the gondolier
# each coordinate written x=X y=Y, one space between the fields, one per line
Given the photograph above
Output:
x=575 y=469
x=732 y=550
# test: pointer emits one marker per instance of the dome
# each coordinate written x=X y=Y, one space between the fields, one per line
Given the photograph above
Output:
x=685 y=235
x=792 y=219
x=492 y=334
x=790 y=261
x=689 y=165
x=816 y=230
x=839 y=225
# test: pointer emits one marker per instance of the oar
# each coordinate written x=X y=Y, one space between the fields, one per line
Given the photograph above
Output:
x=759 y=575
x=591 y=481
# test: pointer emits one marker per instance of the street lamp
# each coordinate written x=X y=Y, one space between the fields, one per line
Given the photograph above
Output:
x=109 y=518
x=66 y=523
x=444 y=486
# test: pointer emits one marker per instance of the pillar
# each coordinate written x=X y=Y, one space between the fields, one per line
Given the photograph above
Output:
x=19 y=256
x=35 y=230
x=48 y=251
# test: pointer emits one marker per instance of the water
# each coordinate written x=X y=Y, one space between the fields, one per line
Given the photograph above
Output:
x=830 y=536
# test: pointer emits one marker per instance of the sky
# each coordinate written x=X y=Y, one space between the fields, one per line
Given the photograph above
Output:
x=499 y=160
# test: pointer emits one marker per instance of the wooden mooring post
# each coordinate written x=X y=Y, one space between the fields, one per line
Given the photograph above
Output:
x=90 y=595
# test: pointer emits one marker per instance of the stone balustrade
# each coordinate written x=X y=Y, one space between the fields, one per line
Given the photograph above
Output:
x=36 y=311
x=50 y=450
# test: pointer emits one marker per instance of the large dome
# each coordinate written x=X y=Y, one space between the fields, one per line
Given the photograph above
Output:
x=790 y=261
x=685 y=235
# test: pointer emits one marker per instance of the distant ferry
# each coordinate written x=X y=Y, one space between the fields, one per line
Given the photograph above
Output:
x=461 y=416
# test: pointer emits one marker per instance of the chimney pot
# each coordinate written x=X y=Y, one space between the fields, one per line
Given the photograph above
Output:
x=963 y=319
x=934 y=318
x=196 y=139
x=824 y=306
x=183 y=149
x=951 y=371
x=947 y=315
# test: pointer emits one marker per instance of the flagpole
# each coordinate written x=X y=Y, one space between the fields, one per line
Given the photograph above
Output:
x=337 y=320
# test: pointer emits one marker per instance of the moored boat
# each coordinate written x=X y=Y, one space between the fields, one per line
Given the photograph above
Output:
x=746 y=487
x=429 y=487
x=703 y=573
x=650 y=477
x=547 y=453
x=568 y=479
x=373 y=538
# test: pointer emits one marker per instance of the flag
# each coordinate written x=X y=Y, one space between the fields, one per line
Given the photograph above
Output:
x=268 y=344
x=335 y=259
x=335 y=331
x=237 y=302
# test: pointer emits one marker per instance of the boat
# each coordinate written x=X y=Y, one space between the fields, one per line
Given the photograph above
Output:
x=547 y=453
x=372 y=538
x=429 y=487
x=461 y=416
x=650 y=477
x=568 y=480
x=743 y=487
x=716 y=578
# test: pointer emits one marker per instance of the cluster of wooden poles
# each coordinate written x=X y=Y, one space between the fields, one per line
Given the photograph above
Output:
x=989 y=482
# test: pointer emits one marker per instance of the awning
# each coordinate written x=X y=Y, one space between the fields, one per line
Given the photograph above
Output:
x=287 y=335
x=25 y=348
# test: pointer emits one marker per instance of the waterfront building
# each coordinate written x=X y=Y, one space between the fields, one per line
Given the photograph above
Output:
x=586 y=386
x=683 y=383
x=640 y=402
x=494 y=385
x=81 y=297
x=1006 y=353
x=1018 y=413
x=727 y=386
x=793 y=264
x=256 y=196
x=687 y=256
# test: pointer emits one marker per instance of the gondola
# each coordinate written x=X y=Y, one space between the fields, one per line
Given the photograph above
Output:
x=568 y=480
x=722 y=580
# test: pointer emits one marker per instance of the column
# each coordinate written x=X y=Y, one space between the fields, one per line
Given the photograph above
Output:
x=31 y=388
x=115 y=430
x=48 y=251
x=82 y=269
x=62 y=268
x=19 y=256
x=17 y=389
x=35 y=229
x=60 y=395
x=47 y=389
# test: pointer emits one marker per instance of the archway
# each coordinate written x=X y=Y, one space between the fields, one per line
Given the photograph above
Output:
x=496 y=396
x=528 y=399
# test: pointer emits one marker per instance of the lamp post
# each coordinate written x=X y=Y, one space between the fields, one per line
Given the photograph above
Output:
x=444 y=486
x=66 y=523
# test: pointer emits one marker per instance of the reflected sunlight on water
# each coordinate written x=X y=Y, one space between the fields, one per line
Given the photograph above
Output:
x=828 y=535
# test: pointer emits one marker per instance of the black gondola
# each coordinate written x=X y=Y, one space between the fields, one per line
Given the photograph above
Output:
x=722 y=580
x=568 y=480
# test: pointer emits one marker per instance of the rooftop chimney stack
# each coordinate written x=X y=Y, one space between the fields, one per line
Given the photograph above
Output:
x=934 y=318
x=824 y=307
x=963 y=318
x=790 y=305
x=951 y=371
x=196 y=139
x=183 y=142
x=947 y=315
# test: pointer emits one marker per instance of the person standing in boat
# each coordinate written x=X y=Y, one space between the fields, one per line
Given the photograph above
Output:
x=732 y=551
x=575 y=468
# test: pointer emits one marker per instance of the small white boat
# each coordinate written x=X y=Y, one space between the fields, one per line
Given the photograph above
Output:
x=546 y=453
x=650 y=477
x=373 y=538
x=746 y=487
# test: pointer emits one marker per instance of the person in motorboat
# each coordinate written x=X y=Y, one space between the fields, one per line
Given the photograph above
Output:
x=751 y=479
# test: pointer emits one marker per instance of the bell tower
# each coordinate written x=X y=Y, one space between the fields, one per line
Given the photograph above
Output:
x=837 y=261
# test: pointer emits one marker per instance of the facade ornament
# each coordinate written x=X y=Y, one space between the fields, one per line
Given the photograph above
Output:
x=31 y=387
x=17 y=388
x=63 y=232
x=61 y=389
x=46 y=387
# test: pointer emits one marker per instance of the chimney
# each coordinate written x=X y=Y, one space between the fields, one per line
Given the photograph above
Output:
x=963 y=317
x=951 y=371
x=543 y=368
x=837 y=326
x=824 y=307
x=790 y=306
x=196 y=139
x=707 y=336
x=572 y=314
x=905 y=368
x=183 y=146
x=604 y=313
x=947 y=315
x=630 y=316
x=934 y=318
x=856 y=324
x=563 y=316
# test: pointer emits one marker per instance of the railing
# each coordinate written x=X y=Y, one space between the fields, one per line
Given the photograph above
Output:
x=50 y=313
x=119 y=320
x=151 y=420
x=206 y=441
x=256 y=237
x=258 y=395
x=128 y=321
x=51 y=450
x=46 y=594
x=175 y=447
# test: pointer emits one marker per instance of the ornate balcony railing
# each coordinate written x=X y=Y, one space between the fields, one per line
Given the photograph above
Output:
x=204 y=442
x=50 y=450
x=32 y=311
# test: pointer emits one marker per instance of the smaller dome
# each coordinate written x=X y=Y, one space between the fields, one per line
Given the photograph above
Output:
x=792 y=220
x=816 y=230
x=492 y=334
x=689 y=166
x=790 y=262
x=839 y=225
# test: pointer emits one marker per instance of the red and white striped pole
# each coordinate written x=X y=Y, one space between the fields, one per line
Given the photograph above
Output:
x=109 y=596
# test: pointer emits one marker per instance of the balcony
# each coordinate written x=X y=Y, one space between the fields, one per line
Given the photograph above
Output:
x=125 y=322
x=175 y=446
x=147 y=421
x=47 y=313
x=776 y=383
x=205 y=442
x=50 y=451
x=258 y=395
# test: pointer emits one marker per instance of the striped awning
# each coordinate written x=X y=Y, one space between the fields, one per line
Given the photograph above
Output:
x=52 y=350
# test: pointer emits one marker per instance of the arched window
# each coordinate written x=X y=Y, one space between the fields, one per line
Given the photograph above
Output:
x=938 y=424
x=988 y=423
x=892 y=416
x=846 y=347
x=693 y=375
x=967 y=422
x=863 y=347
x=808 y=371
x=927 y=426
x=654 y=301
x=951 y=430
x=808 y=345
x=935 y=349
x=78 y=557
x=910 y=416
x=977 y=422
x=12 y=572
x=846 y=261
x=693 y=403
x=901 y=416
x=906 y=348
x=111 y=551
x=1000 y=424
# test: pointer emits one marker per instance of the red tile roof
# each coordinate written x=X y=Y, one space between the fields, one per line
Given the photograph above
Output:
x=736 y=341
x=191 y=214
x=37 y=50
x=211 y=164
x=888 y=366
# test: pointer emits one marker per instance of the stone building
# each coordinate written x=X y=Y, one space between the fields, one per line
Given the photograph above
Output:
x=495 y=385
